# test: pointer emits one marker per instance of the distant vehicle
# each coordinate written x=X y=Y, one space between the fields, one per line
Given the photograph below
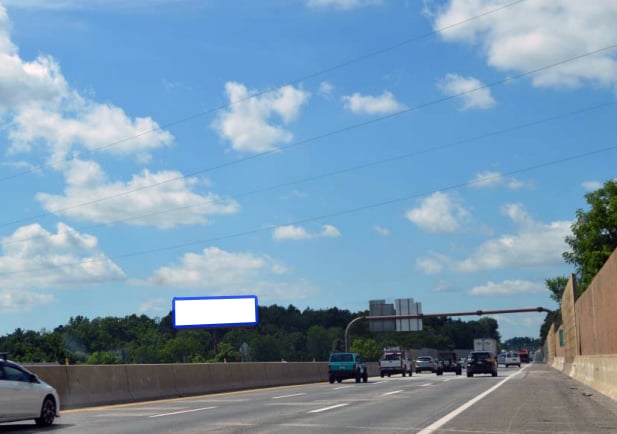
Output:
x=24 y=396
x=523 y=353
x=346 y=365
x=485 y=344
x=481 y=362
x=395 y=361
x=448 y=362
x=501 y=358
x=425 y=363
x=512 y=358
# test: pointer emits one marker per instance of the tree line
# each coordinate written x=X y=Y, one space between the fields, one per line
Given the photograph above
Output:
x=282 y=333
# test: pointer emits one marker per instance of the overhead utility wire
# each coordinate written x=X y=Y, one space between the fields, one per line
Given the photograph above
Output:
x=291 y=82
x=341 y=171
x=340 y=213
x=322 y=136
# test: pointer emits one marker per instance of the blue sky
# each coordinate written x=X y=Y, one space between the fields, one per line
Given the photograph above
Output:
x=317 y=153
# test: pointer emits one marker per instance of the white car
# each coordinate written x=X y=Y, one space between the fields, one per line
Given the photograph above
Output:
x=512 y=359
x=24 y=396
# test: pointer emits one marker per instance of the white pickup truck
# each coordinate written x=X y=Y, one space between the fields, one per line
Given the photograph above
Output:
x=395 y=361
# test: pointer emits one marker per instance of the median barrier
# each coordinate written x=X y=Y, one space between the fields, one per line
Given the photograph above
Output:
x=192 y=379
x=91 y=385
x=150 y=381
x=96 y=385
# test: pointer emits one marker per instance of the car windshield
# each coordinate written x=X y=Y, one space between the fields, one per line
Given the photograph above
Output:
x=343 y=357
x=425 y=359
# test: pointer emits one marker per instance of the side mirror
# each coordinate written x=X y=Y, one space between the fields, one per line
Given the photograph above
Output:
x=34 y=378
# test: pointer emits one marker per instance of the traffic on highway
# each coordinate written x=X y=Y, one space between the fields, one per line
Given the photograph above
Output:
x=535 y=398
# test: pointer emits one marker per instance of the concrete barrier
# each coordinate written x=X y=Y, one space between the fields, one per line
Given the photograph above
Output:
x=150 y=381
x=96 y=385
x=598 y=372
x=91 y=385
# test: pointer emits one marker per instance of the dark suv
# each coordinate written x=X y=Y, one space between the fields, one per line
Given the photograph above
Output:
x=481 y=362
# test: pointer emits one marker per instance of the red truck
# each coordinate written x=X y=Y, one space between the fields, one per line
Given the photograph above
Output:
x=523 y=354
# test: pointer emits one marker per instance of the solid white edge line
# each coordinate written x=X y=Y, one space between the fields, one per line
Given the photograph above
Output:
x=181 y=412
x=319 y=410
x=448 y=417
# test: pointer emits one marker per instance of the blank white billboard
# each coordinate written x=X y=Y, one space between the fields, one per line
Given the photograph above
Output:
x=223 y=311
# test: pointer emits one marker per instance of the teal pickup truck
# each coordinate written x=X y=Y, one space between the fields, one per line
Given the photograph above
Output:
x=346 y=365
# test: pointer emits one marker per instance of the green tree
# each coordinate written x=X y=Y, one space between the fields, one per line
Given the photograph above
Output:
x=594 y=234
x=557 y=286
x=368 y=348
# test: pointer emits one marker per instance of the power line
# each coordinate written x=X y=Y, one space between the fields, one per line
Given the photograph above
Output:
x=354 y=168
x=268 y=90
x=324 y=135
x=334 y=214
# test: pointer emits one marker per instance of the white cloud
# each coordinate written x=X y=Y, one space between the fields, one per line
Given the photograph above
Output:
x=533 y=34
x=439 y=213
x=508 y=287
x=383 y=104
x=248 y=124
x=469 y=90
x=35 y=258
x=227 y=273
x=155 y=306
x=592 y=185
x=535 y=244
x=489 y=179
x=89 y=4
x=42 y=110
x=431 y=265
x=325 y=88
x=292 y=232
x=384 y=232
x=155 y=200
x=342 y=4
x=22 y=300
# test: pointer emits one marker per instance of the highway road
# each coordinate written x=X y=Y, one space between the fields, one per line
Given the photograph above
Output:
x=534 y=399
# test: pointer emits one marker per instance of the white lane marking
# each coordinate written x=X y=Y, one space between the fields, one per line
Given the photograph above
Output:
x=448 y=417
x=391 y=393
x=341 y=387
x=425 y=385
x=332 y=407
x=181 y=412
x=288 y=396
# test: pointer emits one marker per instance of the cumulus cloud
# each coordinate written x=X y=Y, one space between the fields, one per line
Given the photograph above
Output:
x=535 y=244
x=42 y=110
x=439 y=213
x=12 y=301
x=163 y=199
x=469 y=90
x=383 y=104
x=36 y=258
x=508 y=287
x=490 y=179
x=292 y=232
x=248 y=122
x=533 y=34
x=341 y=4
x=222 y=272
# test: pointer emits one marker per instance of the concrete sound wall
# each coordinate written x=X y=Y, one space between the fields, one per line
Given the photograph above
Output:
x=90 y=385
